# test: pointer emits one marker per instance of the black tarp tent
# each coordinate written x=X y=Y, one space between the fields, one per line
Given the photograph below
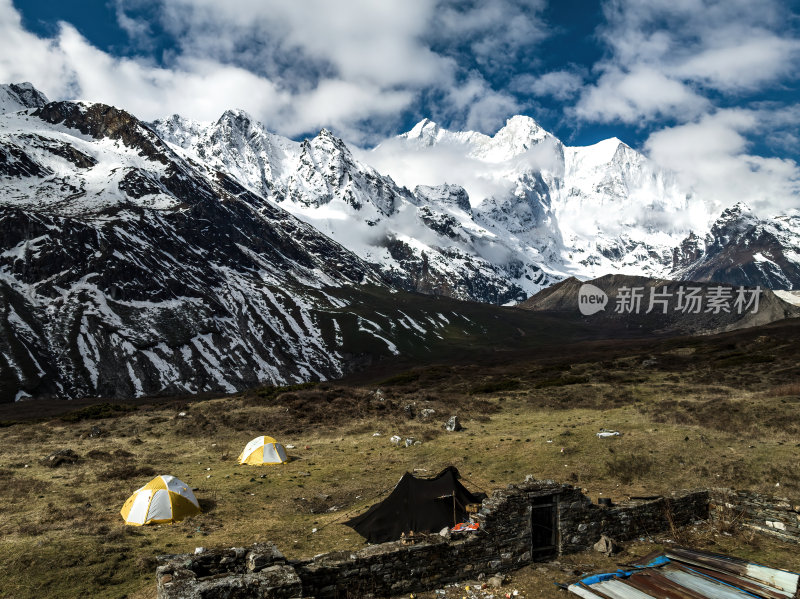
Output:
x=416 y=504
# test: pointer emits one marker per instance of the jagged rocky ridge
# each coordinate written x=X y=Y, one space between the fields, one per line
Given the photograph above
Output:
x=543 y=210
x=419 y=241
x=743 y=249
x=126 y=271
x=178 y=257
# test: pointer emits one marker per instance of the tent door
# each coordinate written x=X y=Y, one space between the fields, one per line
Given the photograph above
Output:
x=447 y=505
x=543 y=528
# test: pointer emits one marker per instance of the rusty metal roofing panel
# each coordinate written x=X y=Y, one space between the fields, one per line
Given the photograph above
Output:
x=582 y=590
x=779 y=579
x=689 y=574
x=752 y=586
x=618 y=589
x=650 y=581
x=707 y=587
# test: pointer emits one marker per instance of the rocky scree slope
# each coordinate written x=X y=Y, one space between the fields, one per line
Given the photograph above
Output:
x=126 y=271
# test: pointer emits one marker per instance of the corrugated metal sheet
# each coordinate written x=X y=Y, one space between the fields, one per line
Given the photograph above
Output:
x=616 y=589
x=705 y=587
x=778 y=579
x=689 y=574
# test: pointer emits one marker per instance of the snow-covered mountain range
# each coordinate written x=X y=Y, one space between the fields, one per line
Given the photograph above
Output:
x=179 y=256
x=493 y=219
x=126 y=270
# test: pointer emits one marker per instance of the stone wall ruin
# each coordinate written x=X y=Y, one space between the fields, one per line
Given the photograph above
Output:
x=532 y=521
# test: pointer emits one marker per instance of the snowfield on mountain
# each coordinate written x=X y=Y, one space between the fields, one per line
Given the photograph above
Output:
x=184 y=257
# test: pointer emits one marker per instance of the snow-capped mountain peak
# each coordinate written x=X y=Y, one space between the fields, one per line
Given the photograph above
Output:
x=731 y=223
x=424 y=132
x=743 y=249
x=740 y=211
x=444 y=195
x=178 y=130
x=20 y=96
x=519 y=134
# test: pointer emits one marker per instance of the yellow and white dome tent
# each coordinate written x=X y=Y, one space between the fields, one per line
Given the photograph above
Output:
x=165 y=499
x=263 y=450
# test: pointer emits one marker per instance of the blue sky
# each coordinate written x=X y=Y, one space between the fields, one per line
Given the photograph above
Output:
x=708 y=88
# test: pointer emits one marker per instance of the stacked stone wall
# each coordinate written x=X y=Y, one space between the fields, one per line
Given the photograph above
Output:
x=777 y=517
x=502 y=542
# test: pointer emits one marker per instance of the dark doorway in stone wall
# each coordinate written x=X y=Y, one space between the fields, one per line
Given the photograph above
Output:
x=543 y=528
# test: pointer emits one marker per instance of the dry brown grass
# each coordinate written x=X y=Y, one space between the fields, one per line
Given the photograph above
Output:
x=791 y=389
x=685 y=424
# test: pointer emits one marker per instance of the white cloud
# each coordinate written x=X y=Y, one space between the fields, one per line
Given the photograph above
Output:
x=666 y=54
x=711 y=156
x=356 y=66
x=473 y=105
x=561 y=85
x=450 y=161
x=643 y=93
x=356 y=40
x=434 y=165
x=335 y=103
x=682 y=61
x=494 y=31
x=25 y=57
x=137 y=29
x=741 y=64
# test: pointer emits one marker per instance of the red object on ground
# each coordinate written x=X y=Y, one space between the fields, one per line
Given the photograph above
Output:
x=461 y=526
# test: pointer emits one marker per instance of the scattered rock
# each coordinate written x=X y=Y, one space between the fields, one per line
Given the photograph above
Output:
x=97 y=432
x=411 y=441
x=453 y=424
x=495 y=581
x=426 y=413
x=395 y=439
x=607 y=546
x=60 y=457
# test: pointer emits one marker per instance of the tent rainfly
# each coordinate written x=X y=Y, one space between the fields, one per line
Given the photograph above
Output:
x=263 y=450
x=418 y=505
x=163 y=500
